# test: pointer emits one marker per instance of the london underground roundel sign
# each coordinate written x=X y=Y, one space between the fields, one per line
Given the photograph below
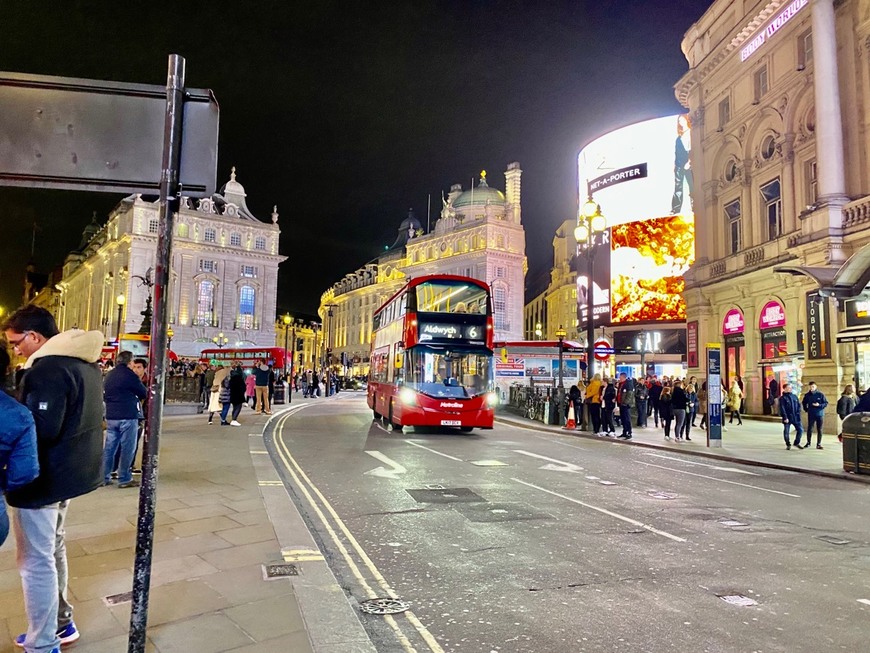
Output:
x=602 y=350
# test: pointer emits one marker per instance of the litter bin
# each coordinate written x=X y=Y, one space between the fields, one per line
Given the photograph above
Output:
x=278 y=396
x=856 y=443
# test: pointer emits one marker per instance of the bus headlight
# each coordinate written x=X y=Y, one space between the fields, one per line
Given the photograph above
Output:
x=408 y=397
x=492 y=399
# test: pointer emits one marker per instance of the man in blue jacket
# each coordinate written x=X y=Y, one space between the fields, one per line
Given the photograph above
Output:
x=62 y=389
x=790 y=411
x=19 y=464
x=814 y=403
x=122 y=391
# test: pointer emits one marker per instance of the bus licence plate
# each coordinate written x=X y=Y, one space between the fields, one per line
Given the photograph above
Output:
x=450 y=422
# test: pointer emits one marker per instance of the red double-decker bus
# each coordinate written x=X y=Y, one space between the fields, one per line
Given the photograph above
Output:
x=431 y=362
x=247 y=356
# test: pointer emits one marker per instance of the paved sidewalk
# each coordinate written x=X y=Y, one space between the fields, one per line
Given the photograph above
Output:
x=757 y=442
x=212 y=538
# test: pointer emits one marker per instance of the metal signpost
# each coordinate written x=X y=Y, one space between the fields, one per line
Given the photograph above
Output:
x=714 y=395
x=82 y=134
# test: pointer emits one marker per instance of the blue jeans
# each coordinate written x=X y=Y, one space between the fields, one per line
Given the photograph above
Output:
x=641 y=412
x=798 y=432
x=121 y=434
x=625 y=418
x=4 y=520
x=42 y=564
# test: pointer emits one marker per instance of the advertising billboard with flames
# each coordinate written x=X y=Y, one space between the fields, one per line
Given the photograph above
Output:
x=641 y=177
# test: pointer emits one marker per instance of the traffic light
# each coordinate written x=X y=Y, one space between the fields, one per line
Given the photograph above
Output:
x=300 y=343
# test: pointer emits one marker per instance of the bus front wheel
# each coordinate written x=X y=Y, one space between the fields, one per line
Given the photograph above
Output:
x=396 y=425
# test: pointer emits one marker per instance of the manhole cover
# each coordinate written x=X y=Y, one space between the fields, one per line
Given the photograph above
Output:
x=445 y=495
x=832 y=539
x=117 y=599
x=661 y=495
x=280 y=570
x=384 y=606
x=732 y=523
x=738 y=599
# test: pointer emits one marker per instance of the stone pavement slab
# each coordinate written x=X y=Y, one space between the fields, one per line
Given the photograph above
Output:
x=756 y=442
x=213 y=535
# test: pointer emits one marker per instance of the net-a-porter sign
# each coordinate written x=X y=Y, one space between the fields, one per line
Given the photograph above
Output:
x=775 y=25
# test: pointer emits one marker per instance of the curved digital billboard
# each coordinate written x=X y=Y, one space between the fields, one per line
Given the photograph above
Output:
x=641 y=177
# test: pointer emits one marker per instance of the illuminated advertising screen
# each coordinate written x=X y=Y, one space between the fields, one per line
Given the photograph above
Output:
x=641 y=178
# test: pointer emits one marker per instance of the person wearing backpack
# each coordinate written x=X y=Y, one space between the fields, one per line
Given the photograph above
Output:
x=641 y=396
x=625 y=401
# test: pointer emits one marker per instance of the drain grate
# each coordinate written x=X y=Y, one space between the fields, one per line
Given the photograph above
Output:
x=279 y=570
x=738 y=599
x=832 y=539
x=118 y=599
x=445 y=495
x=384 y=606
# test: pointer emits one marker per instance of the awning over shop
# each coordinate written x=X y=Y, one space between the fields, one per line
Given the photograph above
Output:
x=779 y=360
x=854 y=334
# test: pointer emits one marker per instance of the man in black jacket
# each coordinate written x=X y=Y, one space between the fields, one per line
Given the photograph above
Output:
x=62 y=388
x=122 y=391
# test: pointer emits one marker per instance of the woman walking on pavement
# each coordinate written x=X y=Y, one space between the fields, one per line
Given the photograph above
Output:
x=217 y=386
x=666 y=412
x=235 y=397
x=735 y=398
x=679 y=402
x=702 y=404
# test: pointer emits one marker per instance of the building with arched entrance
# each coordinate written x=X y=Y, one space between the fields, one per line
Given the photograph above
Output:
x=779 y=94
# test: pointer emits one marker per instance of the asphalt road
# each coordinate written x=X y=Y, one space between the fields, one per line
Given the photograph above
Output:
x=515 y=540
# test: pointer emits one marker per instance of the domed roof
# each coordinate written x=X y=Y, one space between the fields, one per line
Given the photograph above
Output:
x=408 y=229
x=232 y=187
x=481 y=195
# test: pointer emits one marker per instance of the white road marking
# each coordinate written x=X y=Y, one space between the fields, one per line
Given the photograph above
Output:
x=604 y=511
x=720 y=480
x=692 y=462
x=445 y=455
x=864 y=601
x=555 y=465
x=488 y=463
x=394 y=472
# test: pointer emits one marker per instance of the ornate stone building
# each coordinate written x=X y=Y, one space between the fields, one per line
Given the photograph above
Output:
x=479 y=234
x=779 y=93
x=224 y=272
x=557 y=305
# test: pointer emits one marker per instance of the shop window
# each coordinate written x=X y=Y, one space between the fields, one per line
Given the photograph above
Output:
x=772 y=208
x=733 y=216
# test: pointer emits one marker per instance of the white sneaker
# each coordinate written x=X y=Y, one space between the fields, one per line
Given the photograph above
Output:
x=234 y=423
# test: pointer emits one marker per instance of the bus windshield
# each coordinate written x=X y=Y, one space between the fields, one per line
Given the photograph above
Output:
x=448 y=374
x=449 y=296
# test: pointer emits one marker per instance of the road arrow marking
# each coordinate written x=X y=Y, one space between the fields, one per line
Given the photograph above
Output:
x=555 y=465
x=716 y=467
x=393 y=473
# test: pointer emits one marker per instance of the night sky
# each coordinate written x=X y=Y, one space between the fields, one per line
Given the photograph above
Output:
x=347 y=114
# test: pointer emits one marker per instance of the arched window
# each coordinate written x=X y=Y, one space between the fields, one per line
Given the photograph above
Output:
x=236 y=239
x=247 y=302
x=204 y=303
x=210 y=235
x=260 y=243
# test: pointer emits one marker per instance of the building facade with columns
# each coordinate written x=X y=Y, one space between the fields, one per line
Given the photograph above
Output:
x=778 y=92
x=479 y=234
x=223 y=274
x=557 y=305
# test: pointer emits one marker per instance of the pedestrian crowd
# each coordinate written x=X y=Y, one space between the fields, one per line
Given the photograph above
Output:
x=675 y=404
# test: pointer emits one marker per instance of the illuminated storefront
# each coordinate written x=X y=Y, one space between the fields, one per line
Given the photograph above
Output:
x=776 y=364
x=641 y=178
x=733 y=327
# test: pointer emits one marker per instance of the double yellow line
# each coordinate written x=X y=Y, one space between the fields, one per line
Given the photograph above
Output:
x=321 y=507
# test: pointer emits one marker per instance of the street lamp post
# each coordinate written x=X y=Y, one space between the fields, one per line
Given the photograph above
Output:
x=121 y=300
x=560 y=334
x=590 y=224
x=287 y=320
x=220 y=340
x=539 y=333
x=169 y=334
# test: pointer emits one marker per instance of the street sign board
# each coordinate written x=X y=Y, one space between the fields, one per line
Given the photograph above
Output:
x=84 y=134
x=714 y=395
